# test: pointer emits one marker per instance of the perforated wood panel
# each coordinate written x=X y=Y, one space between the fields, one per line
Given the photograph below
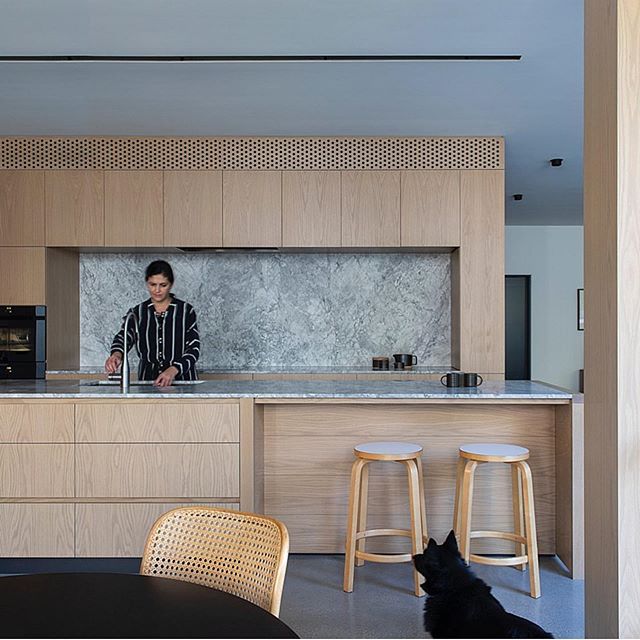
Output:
x=251 y=153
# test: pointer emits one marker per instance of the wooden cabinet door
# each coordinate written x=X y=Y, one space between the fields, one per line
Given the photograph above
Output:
x=74 y=208
x=478 y=274
x=36 y=530
x=311 y=213
x=430 y=209
x=23 y=275
x=252 y=209
x=193 y=208
x=133 y=209
x=21 y=208
x=370 y=208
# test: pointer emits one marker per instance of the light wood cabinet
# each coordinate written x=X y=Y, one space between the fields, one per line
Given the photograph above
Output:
x=36 y=471
x=21 y=208
x=370 y=208
x=430 y=209
x=120 y=530
x=311 y=209
x=23 y=275
x=252 y=209
x=193 y=208
x=133 y=213
x=36 y=530
x=478 y=274
x=157 y=470
x=179 y=422
x=74 y=208
x=36 y=423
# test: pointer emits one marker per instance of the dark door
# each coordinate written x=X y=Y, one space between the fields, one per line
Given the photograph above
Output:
x=518 y=328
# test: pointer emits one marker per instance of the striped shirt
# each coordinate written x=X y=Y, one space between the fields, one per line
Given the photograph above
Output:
x=163 y=339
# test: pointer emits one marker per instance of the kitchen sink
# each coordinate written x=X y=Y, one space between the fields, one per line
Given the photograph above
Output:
x=135 y=383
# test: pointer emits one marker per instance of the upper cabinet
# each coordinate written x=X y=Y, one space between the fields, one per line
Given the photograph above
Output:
x=311 y=215
x=370 y=208
x=23 y=275
x=430 y=211
x=133 y=211
x=21 y=208
x=252 y=205
x=74 y=206
x=193 y=208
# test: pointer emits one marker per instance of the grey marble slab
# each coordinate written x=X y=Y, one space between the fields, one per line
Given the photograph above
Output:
x=285 y=370
x=506 y=390
x=260 y=310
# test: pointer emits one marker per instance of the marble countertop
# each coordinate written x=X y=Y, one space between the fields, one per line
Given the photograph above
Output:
x=283 y=370
x=209 y=389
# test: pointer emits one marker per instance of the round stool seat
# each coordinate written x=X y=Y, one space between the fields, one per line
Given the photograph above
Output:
x=494 y=452
x=388 y=451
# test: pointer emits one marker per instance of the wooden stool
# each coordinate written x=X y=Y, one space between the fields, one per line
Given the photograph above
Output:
x=404 y=453
x=523 y=509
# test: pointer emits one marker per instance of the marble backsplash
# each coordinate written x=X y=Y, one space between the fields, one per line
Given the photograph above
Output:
x=283 y=309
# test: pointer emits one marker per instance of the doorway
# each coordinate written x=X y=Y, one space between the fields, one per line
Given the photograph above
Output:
x=517 y=328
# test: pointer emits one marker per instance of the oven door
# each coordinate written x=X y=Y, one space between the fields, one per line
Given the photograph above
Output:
x=22 y=340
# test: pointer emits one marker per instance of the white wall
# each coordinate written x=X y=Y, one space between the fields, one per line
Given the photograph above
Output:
x=553 y=256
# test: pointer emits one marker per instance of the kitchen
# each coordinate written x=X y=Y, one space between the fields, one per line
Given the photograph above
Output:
x=84 y=240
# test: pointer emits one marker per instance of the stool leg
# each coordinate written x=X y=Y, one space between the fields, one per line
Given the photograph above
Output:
x=362 y=513
x=466 y=499
x=354 y=503
x=530 y=527
x=416 y=522
x=456 y=504
x=518 y=513
x=423 y=504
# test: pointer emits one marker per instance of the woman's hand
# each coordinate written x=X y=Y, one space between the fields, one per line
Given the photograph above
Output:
x=166 y=377
x=113 y=362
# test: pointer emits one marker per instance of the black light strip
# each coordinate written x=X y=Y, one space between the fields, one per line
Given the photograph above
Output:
x=331 y=58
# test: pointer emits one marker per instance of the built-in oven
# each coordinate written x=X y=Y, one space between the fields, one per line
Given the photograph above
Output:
x=23 y=343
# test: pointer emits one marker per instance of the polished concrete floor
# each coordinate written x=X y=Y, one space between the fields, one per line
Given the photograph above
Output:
x=382 y=604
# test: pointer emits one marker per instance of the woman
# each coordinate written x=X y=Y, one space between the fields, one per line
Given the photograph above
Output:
x=164 y=330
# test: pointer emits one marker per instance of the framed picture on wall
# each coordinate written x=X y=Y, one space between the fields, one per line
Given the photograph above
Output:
x=580 y=309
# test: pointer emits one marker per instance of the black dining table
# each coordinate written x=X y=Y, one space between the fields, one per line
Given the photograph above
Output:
x=115 y=605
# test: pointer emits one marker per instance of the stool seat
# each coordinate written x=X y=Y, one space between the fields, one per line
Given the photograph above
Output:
x=494 y=452
x=388 y=451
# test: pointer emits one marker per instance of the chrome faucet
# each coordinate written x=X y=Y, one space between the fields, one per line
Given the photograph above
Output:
x=125 y=372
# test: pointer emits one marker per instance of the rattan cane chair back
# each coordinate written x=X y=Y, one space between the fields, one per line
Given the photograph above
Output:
x=240 y=553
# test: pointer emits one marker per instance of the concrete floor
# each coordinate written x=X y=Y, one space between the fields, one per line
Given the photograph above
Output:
x=382 y=604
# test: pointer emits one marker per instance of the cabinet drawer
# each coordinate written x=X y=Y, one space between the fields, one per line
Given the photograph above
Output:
x=157 y=422
x=120 y=530
x=36 y=423
x=36 y=530
x=157 y=470
x=36 y=470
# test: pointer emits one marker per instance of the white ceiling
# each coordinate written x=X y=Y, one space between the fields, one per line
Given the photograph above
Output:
x=536 y=103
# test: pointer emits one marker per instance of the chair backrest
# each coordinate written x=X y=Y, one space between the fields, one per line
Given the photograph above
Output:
x=240 y=553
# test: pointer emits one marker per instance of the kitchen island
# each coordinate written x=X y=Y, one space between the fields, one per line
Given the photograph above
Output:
x=84 y=470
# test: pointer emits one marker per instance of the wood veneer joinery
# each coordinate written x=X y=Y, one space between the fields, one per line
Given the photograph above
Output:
x=299 y=486
x=247 y=455
x=160 y=470
x=119 y=529
x=36 y=530
x=168 y=422
x=36 y=423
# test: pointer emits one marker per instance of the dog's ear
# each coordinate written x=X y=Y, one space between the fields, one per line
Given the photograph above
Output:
x=431 y=547
x=451 y=544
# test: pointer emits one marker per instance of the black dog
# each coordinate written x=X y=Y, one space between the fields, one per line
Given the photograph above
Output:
x=460 y=605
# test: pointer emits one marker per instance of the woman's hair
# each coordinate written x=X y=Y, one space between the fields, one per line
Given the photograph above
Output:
x=159 y=268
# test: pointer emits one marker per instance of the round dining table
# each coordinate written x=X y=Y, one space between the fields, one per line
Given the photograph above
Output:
x=115 y=605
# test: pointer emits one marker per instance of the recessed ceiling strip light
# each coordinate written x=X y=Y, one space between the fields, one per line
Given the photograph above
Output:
x=305 y=58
